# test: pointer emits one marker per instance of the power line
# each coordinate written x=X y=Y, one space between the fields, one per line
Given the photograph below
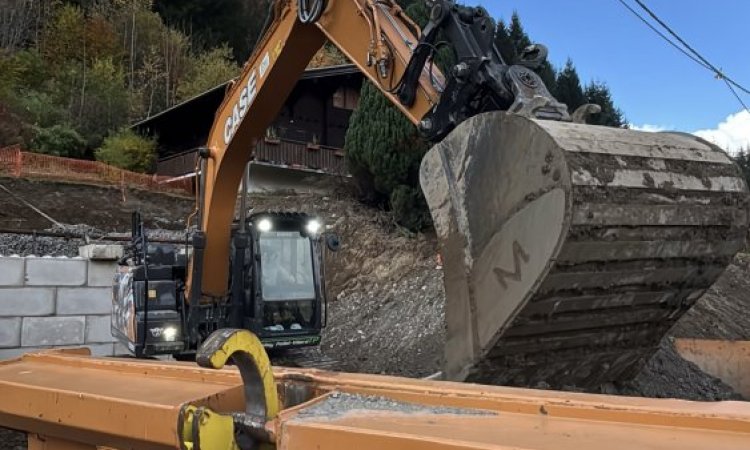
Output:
x=663 y=36
x=717 y=71
x=731 y=88
x=695 y=56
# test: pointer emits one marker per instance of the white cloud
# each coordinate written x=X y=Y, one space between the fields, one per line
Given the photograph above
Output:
x=648 y=127
x=732 y=134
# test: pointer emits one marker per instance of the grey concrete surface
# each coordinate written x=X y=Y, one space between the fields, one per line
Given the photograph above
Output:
x=39 y=331
x=100 y=274
x=27 y=302
x=55 y=272
x=85 y=300
x=11 y=271
x=101 y=252
x=98 y=329
x=56 y=302
x=10 y=332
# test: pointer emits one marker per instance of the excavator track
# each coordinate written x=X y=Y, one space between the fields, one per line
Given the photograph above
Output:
x=305 y=357
x=572 y=249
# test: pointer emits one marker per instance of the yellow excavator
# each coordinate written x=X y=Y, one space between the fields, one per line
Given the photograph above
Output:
x=569 y=250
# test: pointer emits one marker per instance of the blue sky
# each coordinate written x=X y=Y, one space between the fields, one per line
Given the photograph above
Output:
x=652 y=82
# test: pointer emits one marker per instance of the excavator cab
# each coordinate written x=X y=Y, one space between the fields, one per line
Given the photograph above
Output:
x=277 y=288
x=286 y=303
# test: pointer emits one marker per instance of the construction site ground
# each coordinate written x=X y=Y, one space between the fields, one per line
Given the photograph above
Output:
x=385 y=284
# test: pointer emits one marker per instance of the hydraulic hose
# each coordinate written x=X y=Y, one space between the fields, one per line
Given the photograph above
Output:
x=310 y=13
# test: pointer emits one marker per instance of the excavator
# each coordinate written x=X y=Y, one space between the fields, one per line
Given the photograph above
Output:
x=569 y=251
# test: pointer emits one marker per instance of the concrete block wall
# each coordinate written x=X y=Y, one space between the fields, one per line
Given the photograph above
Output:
x=48 y=302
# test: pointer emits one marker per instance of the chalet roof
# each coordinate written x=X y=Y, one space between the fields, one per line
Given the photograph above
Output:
x=205 y=105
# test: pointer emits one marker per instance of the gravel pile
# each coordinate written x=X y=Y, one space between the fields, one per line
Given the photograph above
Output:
x=393 y=327
x=12 y=440
x=25 y=245
x=667 y=375
x=339 y=404
x=77 y=235
x=79 y=229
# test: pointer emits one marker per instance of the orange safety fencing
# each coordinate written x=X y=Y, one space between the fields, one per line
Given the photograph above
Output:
x=16 y=163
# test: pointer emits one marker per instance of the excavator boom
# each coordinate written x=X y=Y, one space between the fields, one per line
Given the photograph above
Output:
x=570 y=249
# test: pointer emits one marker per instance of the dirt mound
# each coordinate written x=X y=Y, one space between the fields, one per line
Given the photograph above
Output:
x=667 y=375
x=106 y=208
x=724 y=310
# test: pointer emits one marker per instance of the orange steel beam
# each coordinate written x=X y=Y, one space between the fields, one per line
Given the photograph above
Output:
x=727 y=416
x=75 y=399
x=365 y=430
x=727 y=360
x=110 y=402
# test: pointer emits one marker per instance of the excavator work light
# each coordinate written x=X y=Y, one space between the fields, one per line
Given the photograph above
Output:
x=313 y=226
x=170 y=333
x=265 y=225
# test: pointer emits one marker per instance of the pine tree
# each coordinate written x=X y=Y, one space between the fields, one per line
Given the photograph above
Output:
x=569 y=89
x=517 y=35
x=549 y=76
x=611 y=116
x=504 y=43
x=384 y=151
x=742 y=158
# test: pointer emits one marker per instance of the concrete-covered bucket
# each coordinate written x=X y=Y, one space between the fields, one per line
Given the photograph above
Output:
x=571 y=249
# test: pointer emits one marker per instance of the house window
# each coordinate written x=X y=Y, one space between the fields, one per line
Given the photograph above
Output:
x=346 y=98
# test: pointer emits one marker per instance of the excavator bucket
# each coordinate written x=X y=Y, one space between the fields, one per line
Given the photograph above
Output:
x=570 y=250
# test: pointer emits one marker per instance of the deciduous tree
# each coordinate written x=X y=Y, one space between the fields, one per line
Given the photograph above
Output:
x=208 y=70
x=128 y=150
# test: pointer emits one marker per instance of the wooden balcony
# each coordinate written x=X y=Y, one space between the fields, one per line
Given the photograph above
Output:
x=275 y=152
